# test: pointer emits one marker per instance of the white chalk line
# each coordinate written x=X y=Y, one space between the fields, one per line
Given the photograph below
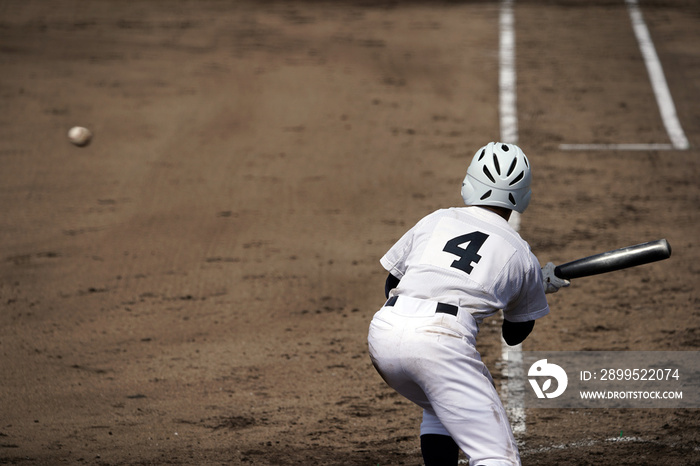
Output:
x=513 y=388
x=506 y=77
x=589 y=443
x=620 y=147
x=661 y=91
x=658 y=79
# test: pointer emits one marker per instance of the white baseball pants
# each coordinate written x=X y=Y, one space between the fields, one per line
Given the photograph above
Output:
x=431 y=359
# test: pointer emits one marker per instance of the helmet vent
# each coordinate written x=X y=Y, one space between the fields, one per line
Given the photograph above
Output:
x=511 y=198
x=496 y=164
x=505 y=148
x=486 y=195
x=481 y=156
x=512 y=166
x=517 y=178
x=489 y=175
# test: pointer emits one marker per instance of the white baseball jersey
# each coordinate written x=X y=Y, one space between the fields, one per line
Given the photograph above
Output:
x=472 y=258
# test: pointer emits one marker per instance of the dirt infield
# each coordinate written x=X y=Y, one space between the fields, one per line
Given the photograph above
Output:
x=194 y=287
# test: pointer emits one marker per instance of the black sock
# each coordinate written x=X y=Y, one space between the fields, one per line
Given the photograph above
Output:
x=439 y=450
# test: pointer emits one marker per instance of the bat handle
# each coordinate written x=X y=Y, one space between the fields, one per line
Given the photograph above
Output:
x=558 y=272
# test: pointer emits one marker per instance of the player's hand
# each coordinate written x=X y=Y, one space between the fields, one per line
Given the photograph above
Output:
x=551 y=282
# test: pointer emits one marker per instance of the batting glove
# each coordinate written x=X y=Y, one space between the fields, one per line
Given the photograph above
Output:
x=551 y=282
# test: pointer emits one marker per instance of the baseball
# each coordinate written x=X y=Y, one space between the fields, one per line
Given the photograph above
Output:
x=79 y=136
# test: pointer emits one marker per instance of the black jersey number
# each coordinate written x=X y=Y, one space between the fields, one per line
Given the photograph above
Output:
x=466 y=255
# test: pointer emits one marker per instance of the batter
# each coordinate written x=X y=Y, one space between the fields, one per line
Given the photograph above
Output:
x=454 y=268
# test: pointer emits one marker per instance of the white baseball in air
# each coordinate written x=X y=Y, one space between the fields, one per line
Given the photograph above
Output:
x=79 y=136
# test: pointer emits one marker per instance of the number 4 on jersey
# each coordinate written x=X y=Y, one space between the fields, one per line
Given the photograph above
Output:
x=466 y=255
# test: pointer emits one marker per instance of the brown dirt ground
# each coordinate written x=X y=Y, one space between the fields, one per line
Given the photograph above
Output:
x=195 y=286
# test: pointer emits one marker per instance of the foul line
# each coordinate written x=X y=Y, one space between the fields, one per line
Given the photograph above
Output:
x=506 y=79
x=661 y=92
x=512 y=389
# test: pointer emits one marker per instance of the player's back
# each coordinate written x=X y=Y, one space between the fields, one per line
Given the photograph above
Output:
x=468 y=256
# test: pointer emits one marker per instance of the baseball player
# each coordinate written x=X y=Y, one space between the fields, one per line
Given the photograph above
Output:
x=449 y=272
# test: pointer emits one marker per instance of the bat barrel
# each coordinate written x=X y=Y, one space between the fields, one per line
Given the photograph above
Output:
x=617 y=259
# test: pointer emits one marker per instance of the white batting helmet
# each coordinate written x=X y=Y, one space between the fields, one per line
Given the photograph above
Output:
x=499 y=175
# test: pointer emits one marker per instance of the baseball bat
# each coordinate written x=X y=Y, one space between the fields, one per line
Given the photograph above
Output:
x=617 y=259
